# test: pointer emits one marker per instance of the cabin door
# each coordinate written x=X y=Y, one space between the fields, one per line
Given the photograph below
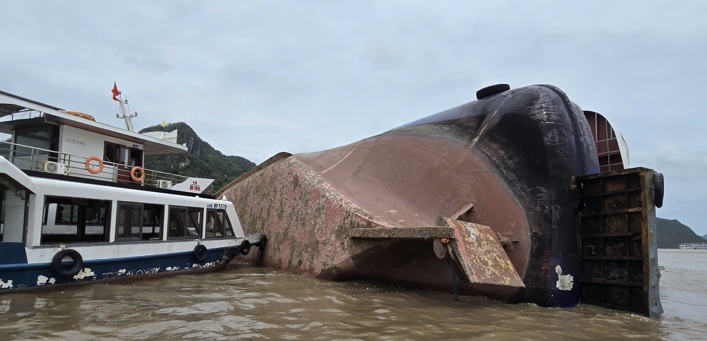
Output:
x=123 y=158
x=134 y=160
x=13 y=227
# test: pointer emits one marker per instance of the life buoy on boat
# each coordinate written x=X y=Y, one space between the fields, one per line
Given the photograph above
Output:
x=81 y=114
x=134 y=171
x=88 y=164
x=200 y=253
x=74 y=255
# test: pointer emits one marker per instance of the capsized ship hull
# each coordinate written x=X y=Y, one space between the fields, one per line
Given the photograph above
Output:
x=492 y=177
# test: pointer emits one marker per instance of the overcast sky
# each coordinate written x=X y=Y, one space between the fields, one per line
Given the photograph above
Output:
x=254 y=78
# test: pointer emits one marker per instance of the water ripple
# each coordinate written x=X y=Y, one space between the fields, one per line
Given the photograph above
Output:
x=247 y=303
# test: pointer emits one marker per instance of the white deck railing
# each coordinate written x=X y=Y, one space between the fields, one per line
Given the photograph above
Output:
x=33 y=158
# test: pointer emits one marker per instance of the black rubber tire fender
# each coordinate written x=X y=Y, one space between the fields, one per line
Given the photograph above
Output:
x=200 y=253
x=658 y=183
x=492 y=90
x=74 y=255
x=245 y=247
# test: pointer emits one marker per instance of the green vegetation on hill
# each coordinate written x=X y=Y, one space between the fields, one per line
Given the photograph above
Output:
x=672 y=233
x=202 y=160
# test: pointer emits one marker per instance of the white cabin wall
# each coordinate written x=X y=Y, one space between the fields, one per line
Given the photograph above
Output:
x=34 y=223
x=165 y=222
x=14 y=218
x=84 y=144
x=203 y=223
x=113 y=221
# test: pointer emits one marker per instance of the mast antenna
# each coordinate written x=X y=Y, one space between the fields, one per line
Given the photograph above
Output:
x=124 y=109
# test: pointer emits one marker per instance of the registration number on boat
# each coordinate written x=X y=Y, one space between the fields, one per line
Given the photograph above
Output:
x=217 y=206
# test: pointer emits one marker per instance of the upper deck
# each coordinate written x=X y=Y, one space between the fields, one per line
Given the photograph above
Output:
x=49 y=139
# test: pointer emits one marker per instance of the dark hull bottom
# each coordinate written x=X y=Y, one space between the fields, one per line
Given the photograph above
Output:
x=21 y=277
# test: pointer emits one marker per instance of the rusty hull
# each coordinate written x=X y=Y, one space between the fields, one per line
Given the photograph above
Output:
x=504 y=162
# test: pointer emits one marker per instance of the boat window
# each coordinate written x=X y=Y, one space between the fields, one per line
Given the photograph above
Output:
x=214 y=223
x=129 y=221
x=75 y=220
x=95 y=215
x=228 y=227
x=138 y=221
x=194 y=223
x=113 y=153
x=176 y=222
x=217 y=224
x=152 y=221
x=33 y=145
x=185 y=222
x=67 y=214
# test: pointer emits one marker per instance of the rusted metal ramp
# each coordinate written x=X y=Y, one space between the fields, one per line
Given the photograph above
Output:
x=478 y=251
x=617 y=232
x=481 y=255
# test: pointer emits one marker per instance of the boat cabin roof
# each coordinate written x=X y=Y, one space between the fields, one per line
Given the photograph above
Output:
x=11 y=105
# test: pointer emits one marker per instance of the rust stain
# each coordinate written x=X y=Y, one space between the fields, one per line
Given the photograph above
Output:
x=308 y=220
x=482 y=256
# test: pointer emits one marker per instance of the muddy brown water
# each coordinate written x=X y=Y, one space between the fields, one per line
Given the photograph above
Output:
x=249 y=303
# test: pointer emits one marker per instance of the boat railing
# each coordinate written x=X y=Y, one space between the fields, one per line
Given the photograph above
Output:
x=37 y=159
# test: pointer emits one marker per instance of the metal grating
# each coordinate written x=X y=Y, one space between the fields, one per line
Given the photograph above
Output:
x=616 y=225
x=606 y=142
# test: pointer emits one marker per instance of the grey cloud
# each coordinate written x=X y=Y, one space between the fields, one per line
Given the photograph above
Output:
x=154 y=66
x=256 y=78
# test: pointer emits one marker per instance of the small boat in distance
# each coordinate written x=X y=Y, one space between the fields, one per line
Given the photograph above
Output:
x=693 y=246
x=78 y=206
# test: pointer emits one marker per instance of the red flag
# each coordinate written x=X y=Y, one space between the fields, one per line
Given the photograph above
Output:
x=115 y=92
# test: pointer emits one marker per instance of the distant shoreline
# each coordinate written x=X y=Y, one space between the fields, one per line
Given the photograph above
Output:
x=691 y=250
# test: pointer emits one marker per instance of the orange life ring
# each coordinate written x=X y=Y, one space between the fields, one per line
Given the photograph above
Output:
x=88 y=165
x=135 y=170
x=81 y=114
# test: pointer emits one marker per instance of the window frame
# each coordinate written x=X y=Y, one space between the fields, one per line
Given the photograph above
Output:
x=73 y=208
x=159 y=214
x=209 y=212
x=188 y=218
x=198 y=224
x=226 y=224
x=157 y=208
x=57 y=217
x=81 y=234
x=176 y=209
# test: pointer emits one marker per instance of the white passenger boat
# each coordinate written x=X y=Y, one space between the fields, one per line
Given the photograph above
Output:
x=693 y=246
x=78 y=206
